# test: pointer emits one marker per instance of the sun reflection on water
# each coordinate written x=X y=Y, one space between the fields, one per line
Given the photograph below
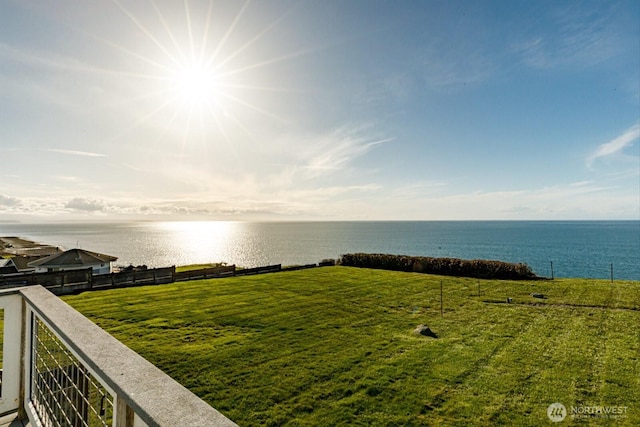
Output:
x=200 y=241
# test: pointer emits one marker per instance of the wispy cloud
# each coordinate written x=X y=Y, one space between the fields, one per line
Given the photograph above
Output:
x=342 y=153
x=42 y=59
x=586 y=36
x=380 y=89
x=456 y=69
x=616 y=145
x=338 y=149
x=561 y=201
x=75 y=152
x=67 y=178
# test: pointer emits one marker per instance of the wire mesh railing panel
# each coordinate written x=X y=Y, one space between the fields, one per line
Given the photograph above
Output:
x=63 y=391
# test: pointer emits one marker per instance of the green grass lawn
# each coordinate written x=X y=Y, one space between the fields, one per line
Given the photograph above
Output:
x=334 y=346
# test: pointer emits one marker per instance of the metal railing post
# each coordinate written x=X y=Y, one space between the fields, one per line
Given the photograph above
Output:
x=11 y=304
x=22 y=412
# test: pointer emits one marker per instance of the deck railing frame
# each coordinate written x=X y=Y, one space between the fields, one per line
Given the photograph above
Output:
x=142 y=395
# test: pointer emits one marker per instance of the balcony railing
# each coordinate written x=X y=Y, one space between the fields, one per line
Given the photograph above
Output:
x=61 y=370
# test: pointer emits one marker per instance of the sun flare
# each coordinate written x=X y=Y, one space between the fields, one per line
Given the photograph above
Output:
x=203 y=80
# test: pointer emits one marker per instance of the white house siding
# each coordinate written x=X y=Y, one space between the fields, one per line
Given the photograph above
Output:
x=104 y=268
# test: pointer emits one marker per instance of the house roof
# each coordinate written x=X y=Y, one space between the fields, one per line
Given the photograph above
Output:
x=73 y=257
x=22 y=262
x=7 y=266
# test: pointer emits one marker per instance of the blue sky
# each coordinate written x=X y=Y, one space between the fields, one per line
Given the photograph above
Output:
x=319 y=110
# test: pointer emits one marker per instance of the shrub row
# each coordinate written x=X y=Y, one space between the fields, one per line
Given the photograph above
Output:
x=481 y=269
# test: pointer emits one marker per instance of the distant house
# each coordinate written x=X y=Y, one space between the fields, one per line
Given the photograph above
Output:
x=74 y=259
x=17 y=264
x=7 y=266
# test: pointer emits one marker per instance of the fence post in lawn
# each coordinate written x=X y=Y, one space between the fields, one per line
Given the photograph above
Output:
x=612 y=273
x=441 y=309
x=551 y=270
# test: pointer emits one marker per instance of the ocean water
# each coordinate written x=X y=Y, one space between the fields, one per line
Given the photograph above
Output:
x=576 y=248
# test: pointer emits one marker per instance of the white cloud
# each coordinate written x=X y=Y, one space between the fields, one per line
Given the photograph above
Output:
x=616 y=145
x=419 y=201
x=82 y=204
x=26 y=208
x=8 y=201
x=75 y=153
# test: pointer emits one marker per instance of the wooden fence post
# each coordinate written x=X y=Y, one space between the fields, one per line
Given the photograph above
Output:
x=441 y=304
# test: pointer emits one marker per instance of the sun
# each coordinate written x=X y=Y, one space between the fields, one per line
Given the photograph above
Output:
x=197 y=85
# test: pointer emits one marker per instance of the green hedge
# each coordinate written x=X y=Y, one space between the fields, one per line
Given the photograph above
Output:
x=481 y=269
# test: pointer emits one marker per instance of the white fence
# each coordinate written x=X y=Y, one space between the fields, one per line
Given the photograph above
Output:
x=61 y=370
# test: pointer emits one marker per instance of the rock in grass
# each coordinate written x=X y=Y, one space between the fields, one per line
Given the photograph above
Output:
x=538 y=296
x=425 y=331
